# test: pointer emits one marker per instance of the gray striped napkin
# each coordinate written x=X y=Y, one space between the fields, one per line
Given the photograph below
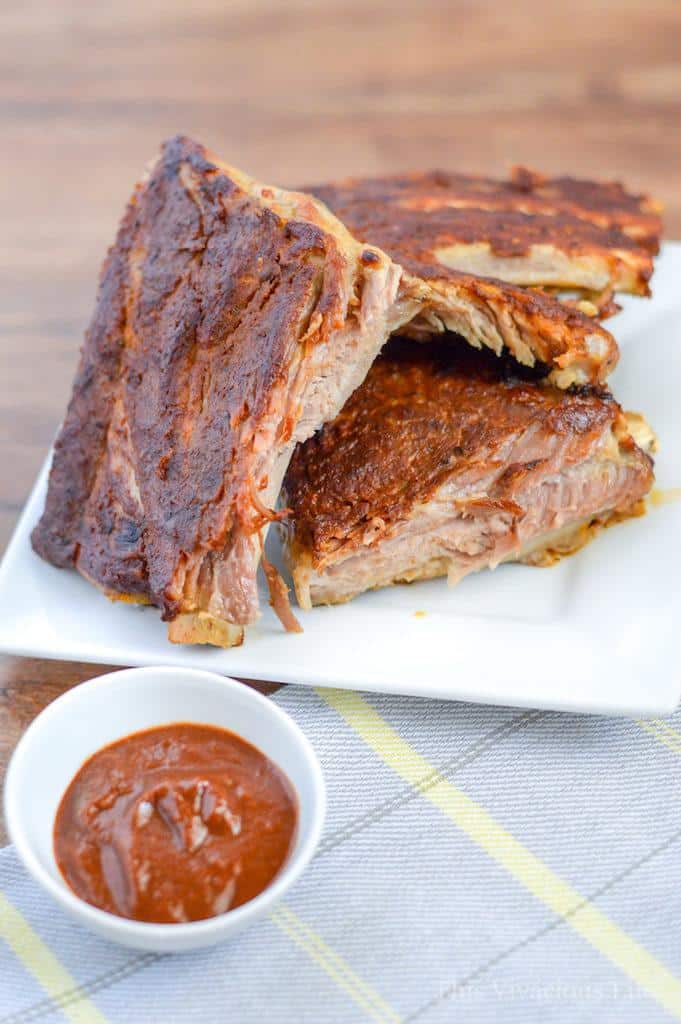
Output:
x=478 y=864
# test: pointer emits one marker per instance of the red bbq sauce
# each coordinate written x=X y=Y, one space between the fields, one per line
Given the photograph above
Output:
x=174 y=824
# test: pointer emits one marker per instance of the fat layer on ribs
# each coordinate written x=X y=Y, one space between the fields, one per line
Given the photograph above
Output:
x=528 y=230
x=445 y=462
x=232 y=320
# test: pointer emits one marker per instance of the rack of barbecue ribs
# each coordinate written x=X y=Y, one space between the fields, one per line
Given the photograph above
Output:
x=233 y=321
x=445 y=462
x=559 y=235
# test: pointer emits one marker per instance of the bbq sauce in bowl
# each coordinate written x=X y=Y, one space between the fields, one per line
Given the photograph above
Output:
x=178 y=823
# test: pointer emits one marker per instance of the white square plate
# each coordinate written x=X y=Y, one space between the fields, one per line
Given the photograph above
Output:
x=599 y=632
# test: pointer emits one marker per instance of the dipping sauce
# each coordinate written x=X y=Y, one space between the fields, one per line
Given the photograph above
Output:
x=174 y=824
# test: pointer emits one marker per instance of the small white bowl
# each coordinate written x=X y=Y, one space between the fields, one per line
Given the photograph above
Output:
x=105 y=709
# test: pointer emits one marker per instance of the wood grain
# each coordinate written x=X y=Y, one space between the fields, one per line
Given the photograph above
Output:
x=293 y=92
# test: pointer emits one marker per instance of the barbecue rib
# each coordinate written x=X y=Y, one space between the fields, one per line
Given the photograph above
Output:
x=232 y=321
x=530 y=230
x=442 y=464
x=535 y=328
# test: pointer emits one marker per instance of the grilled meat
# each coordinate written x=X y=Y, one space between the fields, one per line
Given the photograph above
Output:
x=539 y=331
x=232 y=320
x=441 y=464
x=412 y=222
x=530 y=230
x=604 y=203
x=459 y=237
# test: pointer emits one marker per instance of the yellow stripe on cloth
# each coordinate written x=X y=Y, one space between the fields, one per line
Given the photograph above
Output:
x=662 y=732
x=479 y=825
x=366 y=997
x=39 y=959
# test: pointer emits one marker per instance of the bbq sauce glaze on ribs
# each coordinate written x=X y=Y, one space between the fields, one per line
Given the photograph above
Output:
x=467 y=243
x=528 y=230
x=444 y=462
x=232 y=321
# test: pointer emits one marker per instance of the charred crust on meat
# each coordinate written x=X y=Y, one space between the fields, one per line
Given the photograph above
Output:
x=213 y=292
x=423 y=415
x=564 y=209
x=410 y=218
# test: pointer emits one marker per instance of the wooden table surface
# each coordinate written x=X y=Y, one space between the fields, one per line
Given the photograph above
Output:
x=291 y=92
